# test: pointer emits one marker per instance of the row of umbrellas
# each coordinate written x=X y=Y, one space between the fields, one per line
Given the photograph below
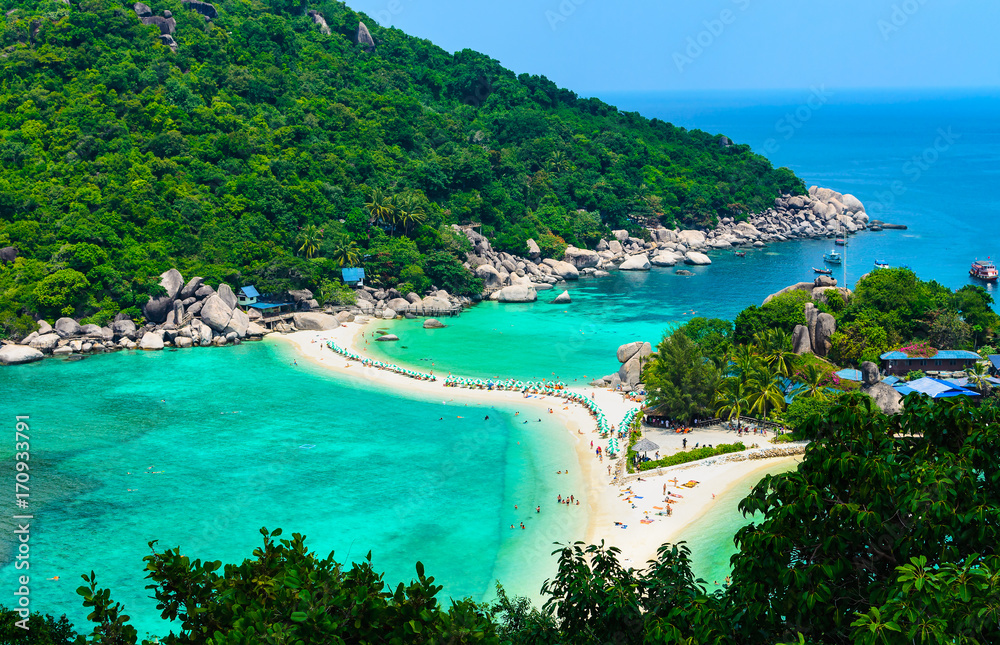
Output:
x=379 y=364
x=556 y=388
x=508 y=384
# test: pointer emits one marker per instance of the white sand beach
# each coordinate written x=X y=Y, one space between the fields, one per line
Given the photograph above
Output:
x=627 y=504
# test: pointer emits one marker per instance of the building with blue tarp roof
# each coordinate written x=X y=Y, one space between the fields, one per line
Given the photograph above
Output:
x=934 y=388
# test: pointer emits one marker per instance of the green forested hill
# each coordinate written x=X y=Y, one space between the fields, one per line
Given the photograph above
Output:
x=266 y=151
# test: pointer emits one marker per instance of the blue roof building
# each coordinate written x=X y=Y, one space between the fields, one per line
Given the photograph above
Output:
x=994 y=360
x=946 y=360
x=354 y=275
x=934 y=388
x=246 y=296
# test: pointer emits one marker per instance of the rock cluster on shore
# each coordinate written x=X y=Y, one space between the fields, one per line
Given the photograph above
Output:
x=633 y=357
x=189 y=314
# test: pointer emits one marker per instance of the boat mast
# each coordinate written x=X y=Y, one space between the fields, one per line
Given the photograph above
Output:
x=845 y=255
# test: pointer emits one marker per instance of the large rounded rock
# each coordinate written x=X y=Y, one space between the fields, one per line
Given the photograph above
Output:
x=800 y=340
x=564 y=270
x=852 y=204
x=399 y=305
x=489 y=275
x=581 y=258
x=517 y=293
x=631 y=372
x=238 y=323
x=216 y=313
x=533 y=251
x=562 y=299
x=697 y=259
x=888 y=399
x=253 y=329
x=869 y=373
x=691 y=238
x=203 y=291
x=628 y=350
x=189 y=290
x=615 y=247
x=182 y=342
x=433 y=323
x=314 y=321
x=19 y=354
x=387 y=338
x=151 y=341
x=635 y=263
x=388 y=314
x=665 y=259
x=91 y=331
x=45 y=342
x=226 y=293
x=67 y=328
x=156 y=309
x=826 y=325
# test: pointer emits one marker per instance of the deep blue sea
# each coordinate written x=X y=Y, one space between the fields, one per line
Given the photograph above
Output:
x=201 y=448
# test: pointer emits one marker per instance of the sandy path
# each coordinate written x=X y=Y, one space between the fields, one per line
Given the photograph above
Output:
x=608 y=503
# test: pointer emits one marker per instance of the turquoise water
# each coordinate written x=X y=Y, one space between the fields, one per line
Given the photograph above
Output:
x=225 y=432
x=202 y=448
x=710 y=536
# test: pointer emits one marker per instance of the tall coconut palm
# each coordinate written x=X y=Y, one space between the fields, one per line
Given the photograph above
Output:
x=309 y=238
x=346 y=252
x=379 y=206
x=765 y=390
x=409 y=212
x=731 y=400
x=745 y=360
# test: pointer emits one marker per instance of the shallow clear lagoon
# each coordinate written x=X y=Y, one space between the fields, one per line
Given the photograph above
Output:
x=202 y=448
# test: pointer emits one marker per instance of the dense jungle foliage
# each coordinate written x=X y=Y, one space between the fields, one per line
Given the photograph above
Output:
x=264 y=151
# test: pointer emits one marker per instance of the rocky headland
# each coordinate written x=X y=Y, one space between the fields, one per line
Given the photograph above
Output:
x=194 y=314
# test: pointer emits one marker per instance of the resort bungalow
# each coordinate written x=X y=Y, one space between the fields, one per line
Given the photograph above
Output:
x=247 y=296
x=353 y=276
x=946 y=360
x=994 y=360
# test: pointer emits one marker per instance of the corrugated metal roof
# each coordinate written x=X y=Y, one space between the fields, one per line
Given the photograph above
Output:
x=353 y=274
x=995 y=360
x=249 y=291
x=934 y=388
x=850 y=374
x=942 y=354
x=269 y=305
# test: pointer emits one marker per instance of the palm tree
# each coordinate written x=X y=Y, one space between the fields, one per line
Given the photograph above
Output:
x=744 y=359
x=309 y=237
x=731 y=400
x=410 y=211
x=780 y=356
x=765 y=390
x=812 y=377
x=346 y=252
x=979 y=377
x=379 y=206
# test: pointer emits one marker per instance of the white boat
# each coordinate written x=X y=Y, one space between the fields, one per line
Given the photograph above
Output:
x=832 y=257
x=881 y=265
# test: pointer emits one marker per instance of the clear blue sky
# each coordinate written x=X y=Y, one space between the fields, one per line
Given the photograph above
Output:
x=594 y=46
